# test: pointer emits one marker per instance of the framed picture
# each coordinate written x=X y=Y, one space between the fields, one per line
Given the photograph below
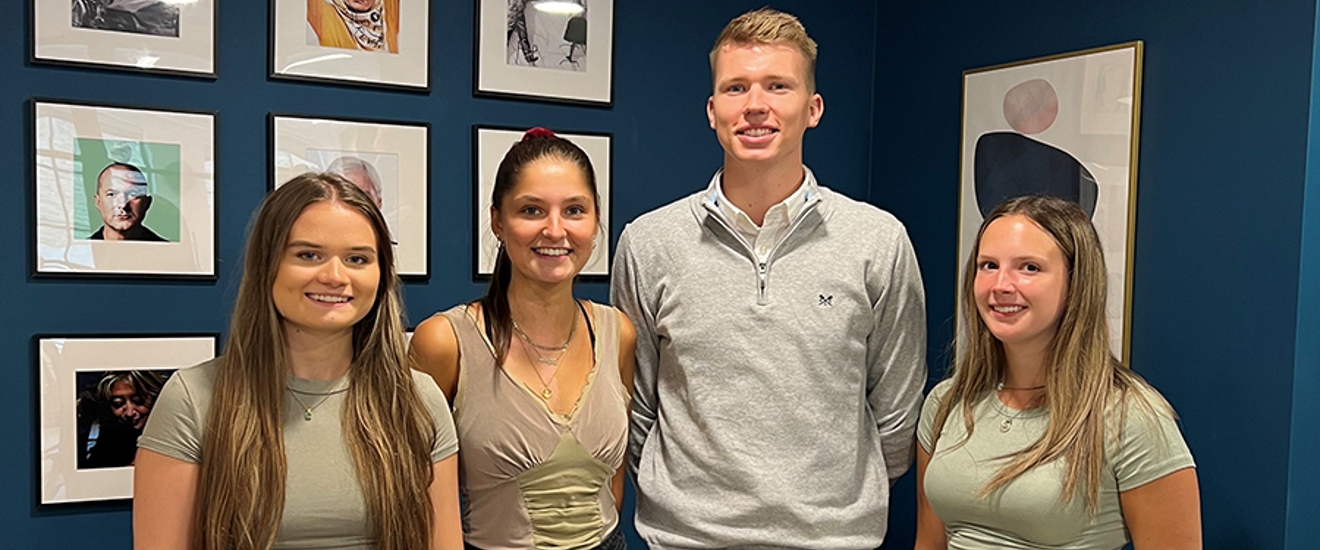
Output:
x=123 y=192
x=365 y=42
x=550 y=50
x=97 y=393
x=158 y=36
x=491 y=143
x=388 y=160
x=1065 y=126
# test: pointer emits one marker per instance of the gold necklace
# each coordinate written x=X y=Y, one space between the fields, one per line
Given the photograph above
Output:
x=1007 y=424
x=559 y=352
x=307 y=411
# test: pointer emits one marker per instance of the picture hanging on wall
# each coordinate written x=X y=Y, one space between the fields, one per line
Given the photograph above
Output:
x=491 y=143
x=1066 y=126
x=548 y=50
x=380 y=43
x=97 y=393
x=159 y=36
x=386 y=159
x=123 y=192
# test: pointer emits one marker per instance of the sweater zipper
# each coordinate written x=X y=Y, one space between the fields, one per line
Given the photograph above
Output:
x=762 y=266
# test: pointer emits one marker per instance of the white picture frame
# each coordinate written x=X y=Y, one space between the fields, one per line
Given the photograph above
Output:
x=154 y=36
x=532 y=49
x=311 y=41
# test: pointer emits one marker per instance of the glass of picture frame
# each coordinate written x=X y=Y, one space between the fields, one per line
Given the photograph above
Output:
x=559 y=51
x=379 y=43
x=155 y=36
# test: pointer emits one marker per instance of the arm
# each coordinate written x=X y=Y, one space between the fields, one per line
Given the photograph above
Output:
x=434 y=351
x=627 y=358
x=447 y=533
x=626 y=293
x=164 y=498
x=930 y=530
x=896 y=356
x=1164 y=514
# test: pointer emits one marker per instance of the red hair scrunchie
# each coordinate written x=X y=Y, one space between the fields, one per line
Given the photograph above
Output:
x=538 y=132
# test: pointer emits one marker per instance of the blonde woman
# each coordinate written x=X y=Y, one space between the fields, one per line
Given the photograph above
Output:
x=540 y=381
x=1041 y=438
x=310 y=431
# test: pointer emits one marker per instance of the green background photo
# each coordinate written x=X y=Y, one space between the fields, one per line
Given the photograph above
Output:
x=160 y=163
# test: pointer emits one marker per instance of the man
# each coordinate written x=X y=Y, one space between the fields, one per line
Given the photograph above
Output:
x=121 y=402
x=123 y=199
x=780 y=327
x=360 y=173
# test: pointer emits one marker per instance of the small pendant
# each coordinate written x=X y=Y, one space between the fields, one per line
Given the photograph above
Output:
x=1006 y=425
x=552 y=361
x=545 y=392
x=307 y=415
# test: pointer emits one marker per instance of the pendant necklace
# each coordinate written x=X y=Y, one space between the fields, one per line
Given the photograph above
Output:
x=556 y=353
x=307 y=411
x=1007 y=424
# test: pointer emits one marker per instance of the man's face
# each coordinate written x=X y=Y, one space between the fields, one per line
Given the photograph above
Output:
x=761 y=106
x=129 y=405
x=122 y=199
x=363 y=181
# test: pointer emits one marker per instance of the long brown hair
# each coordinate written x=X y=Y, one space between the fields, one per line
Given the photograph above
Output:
x=1083 y=379
x=386 y=427
x=536 y=144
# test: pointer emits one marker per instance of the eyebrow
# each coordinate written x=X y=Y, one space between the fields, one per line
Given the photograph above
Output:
x=309 y=244
x=534 y=198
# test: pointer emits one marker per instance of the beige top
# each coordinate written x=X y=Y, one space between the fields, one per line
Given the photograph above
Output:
x=533 y=478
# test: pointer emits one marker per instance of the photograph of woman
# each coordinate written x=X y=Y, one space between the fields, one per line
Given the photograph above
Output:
x=369 y=25
x=310 y=431
x=540 y=381
x=1040 y=437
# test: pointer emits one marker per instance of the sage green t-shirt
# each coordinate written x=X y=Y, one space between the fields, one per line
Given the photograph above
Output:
x=323 y=505
x=1028 y=513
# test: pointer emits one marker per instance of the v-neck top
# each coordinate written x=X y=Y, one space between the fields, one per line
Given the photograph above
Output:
x=533 y=478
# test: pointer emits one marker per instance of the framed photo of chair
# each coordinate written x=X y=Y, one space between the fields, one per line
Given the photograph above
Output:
x=559 y=51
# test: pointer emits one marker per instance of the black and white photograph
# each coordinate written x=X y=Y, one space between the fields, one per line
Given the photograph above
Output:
x=164 y=36
x=96 y=395
x=123 y=192
x=386 y=159
x=549 y=35
x=378 y=43
x=548 y=50
x=490 y=145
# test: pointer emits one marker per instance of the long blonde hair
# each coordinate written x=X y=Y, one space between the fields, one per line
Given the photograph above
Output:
x=386 y=427
x=1083 y=379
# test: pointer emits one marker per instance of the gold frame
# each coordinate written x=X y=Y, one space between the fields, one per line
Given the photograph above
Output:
x=1024 y=68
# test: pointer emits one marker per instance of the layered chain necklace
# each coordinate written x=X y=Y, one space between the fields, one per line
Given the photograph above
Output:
x=552 y=359
x=1007 y=424
x=307 y=411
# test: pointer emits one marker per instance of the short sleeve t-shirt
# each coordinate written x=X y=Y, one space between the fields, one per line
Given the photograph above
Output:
x=323 y=506
x=1028 y=512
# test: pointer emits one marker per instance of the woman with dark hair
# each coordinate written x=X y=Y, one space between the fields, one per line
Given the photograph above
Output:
x=310 y=431
x=1040 y=437
x=540 y=381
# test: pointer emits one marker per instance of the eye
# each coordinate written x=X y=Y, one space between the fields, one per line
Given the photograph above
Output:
x=778 y=86
x=306 y=255
x=735 y=88
x=530 y=211
x=987 y=265
x=359 y=259
x=576 y=210
x=1031 y=268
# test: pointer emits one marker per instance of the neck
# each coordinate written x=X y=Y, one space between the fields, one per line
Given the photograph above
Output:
x=542 y=309
x=755 y=187
x=112 y=234
x=318 y=356
x=1025 y=366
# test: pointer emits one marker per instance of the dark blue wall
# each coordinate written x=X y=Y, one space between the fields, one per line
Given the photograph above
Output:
x=1222 y=165
x=663 y=149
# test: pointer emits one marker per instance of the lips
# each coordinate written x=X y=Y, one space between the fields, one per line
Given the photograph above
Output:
x=555 y=252
x=758 y=132
x=330 y=299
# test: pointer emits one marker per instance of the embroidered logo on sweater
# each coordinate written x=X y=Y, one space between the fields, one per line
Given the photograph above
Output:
x=826 y=301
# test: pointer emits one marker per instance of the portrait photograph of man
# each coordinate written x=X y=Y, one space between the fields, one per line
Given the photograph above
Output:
x=131 y=191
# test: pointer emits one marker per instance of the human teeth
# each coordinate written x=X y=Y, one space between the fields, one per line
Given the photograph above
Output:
x=552 y=251
x=329 y=298
x=757 y=132
x=1008 y=309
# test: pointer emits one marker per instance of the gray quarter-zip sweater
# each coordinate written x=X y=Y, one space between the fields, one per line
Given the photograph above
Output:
x=775 y=401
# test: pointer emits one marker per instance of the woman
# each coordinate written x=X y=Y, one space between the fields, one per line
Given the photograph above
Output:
x=310 y=431
x=1041 y=438
x=370 y=25
x=540 y=381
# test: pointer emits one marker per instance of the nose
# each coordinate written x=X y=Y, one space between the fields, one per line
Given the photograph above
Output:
x=1003 y=282
x=554 y=227
x=755 y=103
x=332 y=273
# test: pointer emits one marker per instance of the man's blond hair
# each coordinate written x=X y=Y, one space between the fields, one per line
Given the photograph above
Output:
x=768 y=26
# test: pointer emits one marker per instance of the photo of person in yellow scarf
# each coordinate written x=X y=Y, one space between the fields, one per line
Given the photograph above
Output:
x=371 y=25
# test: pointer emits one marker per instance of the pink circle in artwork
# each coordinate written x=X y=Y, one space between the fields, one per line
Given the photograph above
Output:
x=1031 y=106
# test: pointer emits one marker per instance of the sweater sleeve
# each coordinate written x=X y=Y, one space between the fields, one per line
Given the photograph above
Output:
x=896 y=356
x=628 y=294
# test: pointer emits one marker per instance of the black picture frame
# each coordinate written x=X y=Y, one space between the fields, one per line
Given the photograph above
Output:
x=292 y=59
x=545 y=80
x=59 y=41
